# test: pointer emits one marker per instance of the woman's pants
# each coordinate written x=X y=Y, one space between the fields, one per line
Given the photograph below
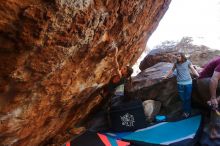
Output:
x=185 y=92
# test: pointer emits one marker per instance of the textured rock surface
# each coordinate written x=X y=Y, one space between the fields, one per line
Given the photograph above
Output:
x=149 y=85
x=199 y=55
x=55 y=54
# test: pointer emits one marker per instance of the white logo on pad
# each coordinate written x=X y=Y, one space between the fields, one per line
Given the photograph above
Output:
x=127 y=120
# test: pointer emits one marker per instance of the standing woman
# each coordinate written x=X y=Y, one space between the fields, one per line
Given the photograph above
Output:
x=184 y=81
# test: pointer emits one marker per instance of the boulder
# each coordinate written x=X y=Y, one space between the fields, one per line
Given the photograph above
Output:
x=150 y=85
x=151 y=109
x=198 y=55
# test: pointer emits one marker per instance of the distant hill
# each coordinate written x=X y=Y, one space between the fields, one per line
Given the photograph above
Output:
x=166 y=51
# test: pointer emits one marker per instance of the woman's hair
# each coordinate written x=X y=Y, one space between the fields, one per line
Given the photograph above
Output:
x=183 y=58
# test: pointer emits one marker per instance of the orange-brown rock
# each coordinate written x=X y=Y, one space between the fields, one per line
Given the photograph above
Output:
x=55 y=54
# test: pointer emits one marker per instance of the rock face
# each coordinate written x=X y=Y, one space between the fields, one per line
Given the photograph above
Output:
x=151 y=60
x=55 y=54
x=149 y=85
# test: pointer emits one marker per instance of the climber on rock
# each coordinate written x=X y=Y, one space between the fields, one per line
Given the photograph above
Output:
x=115 y=86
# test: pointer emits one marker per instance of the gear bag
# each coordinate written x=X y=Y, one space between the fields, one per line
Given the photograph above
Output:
x=127 y=116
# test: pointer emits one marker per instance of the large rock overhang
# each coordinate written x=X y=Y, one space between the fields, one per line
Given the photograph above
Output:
x=55 y=54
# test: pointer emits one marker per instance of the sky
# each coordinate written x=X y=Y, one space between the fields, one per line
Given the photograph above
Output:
x=199 y=19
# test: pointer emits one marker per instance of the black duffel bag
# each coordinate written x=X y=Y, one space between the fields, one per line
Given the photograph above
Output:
x=127 y=116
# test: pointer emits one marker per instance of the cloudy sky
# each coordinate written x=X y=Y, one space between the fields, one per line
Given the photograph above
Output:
x=199 y=19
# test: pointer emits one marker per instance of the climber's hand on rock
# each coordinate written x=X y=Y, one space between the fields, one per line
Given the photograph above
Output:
x=113 y=50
